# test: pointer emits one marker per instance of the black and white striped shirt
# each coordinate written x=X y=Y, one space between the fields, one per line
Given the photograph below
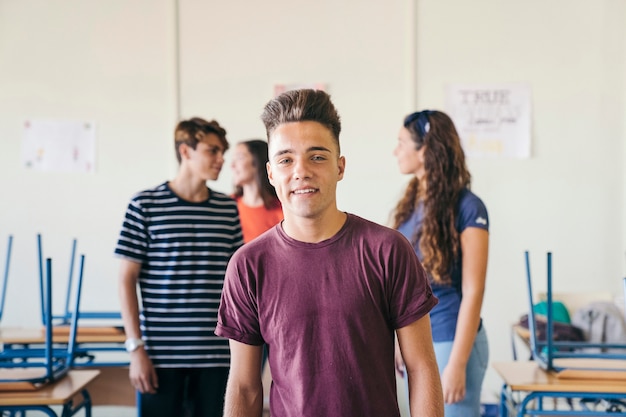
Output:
x=183 y=248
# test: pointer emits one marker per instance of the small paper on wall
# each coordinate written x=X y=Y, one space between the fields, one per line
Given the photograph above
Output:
x=59 y=146
x=493 y=120
x=281 y=88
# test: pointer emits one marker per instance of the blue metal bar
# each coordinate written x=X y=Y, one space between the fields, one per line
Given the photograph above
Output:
x=70 y=281
x=69 y=409
x=549 y=324
x=23 y=408
x=504 y=401
x=75 y=314
x=5 y=280
x=524 y=410
x=41 y=289
x=138 y=403
x=48 y=316
x=100 y=315
x=531 y=312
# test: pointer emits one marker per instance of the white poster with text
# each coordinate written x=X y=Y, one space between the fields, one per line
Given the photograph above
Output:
x=493 y=120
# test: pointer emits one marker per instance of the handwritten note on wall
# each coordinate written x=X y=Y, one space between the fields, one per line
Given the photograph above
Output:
x=492 y=120
x=281 y=88
x=59 y=146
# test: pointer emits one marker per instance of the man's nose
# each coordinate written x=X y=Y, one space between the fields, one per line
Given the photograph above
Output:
x=301 y=168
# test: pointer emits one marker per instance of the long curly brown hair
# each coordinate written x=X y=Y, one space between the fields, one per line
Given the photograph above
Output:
x=446 y=176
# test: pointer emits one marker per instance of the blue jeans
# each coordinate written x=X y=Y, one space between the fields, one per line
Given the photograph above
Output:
x=475 y=373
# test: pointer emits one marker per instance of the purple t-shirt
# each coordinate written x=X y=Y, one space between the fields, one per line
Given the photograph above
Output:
x=328 y=312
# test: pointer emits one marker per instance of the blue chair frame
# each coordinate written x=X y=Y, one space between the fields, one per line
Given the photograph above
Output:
x=546 y=351
x=65 y=317
x=56 y=361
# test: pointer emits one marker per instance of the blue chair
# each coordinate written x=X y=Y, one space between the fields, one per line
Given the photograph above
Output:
x=65 y=317
x=19 y=365
x=548 y=353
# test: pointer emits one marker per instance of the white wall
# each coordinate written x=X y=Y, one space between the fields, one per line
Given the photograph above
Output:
x=115 y=62
x=112 y=62
x=568 y=198
x=229 y=68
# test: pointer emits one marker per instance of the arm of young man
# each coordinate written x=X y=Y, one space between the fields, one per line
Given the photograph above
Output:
x=142 y=374
x=475 y=247
x=244 y=391
x=416 y=345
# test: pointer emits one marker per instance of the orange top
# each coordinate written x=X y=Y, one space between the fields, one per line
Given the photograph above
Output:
x=256 y=220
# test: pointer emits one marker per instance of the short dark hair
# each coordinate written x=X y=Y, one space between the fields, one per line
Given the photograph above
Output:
x=299 y=106
x=192 y=131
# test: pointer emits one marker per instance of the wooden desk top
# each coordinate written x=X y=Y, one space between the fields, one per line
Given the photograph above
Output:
x=528 y=376
x=56 y=393
x=523 y=333
x=20 y=335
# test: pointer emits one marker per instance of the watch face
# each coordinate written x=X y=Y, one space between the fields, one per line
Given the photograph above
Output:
x=133 y=344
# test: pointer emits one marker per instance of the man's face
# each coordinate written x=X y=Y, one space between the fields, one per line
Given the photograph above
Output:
x=304 y=167
x=207 y=159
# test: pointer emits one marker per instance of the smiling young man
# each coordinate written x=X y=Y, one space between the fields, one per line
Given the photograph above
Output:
x=175 y=243
x=326 y=290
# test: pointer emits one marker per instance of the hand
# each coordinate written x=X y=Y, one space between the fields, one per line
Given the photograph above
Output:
x=453 y=383
x=142 y=374
x=399 y=362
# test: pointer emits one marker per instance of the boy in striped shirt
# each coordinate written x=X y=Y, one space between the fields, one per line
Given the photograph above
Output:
x=175 y=242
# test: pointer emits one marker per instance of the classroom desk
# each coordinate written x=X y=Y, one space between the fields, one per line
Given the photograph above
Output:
x=31 y=336
x=63 y=392
x=112 y=387
x=526 y=385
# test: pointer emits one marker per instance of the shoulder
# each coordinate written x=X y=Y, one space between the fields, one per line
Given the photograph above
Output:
x=153 y=194
x=372 y=232
x=258 y=247
x=221 y=198
x=468 y=198
x=472 y=211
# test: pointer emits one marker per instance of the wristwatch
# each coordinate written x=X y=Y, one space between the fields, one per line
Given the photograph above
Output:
x=132 y=344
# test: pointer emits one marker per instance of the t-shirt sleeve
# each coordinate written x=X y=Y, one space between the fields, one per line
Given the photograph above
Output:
x=411 y=295
x=133 y=239
x=237 y=317
x=472 y=213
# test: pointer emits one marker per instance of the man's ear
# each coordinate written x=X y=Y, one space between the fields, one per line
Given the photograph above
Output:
x=268 y=167
x=341 y=163
x=183 y=150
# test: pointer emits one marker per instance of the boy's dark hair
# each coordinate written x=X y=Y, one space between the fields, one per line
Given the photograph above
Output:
x=192 y=131
x=299 y=106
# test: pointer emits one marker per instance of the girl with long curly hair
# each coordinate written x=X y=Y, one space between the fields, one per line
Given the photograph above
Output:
x=449 y=228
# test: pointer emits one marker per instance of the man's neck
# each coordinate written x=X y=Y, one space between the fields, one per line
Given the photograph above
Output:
x=189 y=189
x=314 y=230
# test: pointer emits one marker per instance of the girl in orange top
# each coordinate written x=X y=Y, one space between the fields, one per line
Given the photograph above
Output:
x=259 y=208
